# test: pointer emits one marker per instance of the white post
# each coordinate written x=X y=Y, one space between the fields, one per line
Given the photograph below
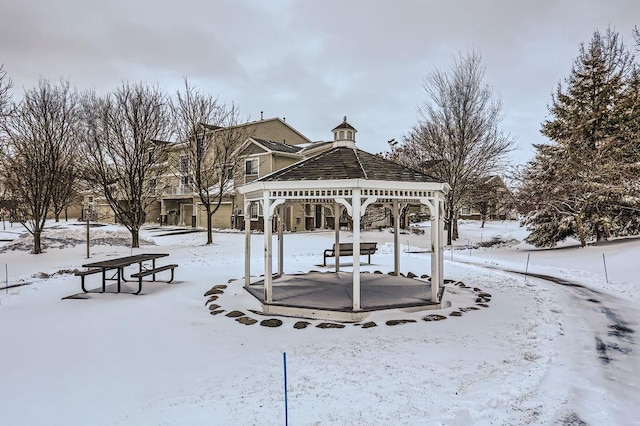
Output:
x=396 y=238
x=280 y=239
x=268 y=259
x=336 y=225
x=442 y=238
x=247 y=243
x=434 y=206
x=355 y=204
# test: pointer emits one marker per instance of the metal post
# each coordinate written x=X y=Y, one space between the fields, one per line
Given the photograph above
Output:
x=88 y=254
x=286 y=407
x=605 y=268
x=526 y=269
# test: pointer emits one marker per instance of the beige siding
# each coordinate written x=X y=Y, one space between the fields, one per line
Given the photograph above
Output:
x=282 y=162
x=275 y=130
x=252 y=149
x=222 y=218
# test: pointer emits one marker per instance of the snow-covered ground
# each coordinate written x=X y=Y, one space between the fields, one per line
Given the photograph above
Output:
x=540 y=353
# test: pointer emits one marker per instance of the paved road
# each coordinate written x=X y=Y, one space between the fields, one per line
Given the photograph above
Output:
x=611 y=324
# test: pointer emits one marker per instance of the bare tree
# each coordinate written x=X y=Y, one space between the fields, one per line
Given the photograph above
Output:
x=457 y=138
x=5 y=92
x=125 y=136
x=65 y=192
x=491 y=198
x=211 y=137
x=39 y=140
x=6 y=203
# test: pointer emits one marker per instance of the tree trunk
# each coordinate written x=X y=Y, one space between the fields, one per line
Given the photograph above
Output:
x=209 y=227
x=56 y=215
x=449 y=226
x=599 y=234
x=580 y=226
x=135 y=238
x=37 y=248
x=454 y=234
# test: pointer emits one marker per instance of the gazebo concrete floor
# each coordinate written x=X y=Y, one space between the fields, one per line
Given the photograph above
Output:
x=329 y=295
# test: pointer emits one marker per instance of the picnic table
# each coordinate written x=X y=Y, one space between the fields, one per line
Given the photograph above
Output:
x=113 y=269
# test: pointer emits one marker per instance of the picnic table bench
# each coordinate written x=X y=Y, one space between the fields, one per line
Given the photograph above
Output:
x=116 y=268
x=346 y=249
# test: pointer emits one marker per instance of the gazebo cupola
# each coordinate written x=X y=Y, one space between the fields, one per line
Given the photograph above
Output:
x=344 y=135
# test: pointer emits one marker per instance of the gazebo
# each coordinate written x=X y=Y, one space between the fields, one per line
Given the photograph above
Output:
x=343 y=178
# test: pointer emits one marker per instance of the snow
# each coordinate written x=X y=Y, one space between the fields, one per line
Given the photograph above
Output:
x=541 y=353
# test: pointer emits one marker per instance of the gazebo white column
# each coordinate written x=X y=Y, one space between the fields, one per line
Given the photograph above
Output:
x=247 y=243
x=440 y=246
x=355 y=208
x=337 y=209
x=436 y=248
x=280 y=239
x=396 y=238
x=268 y=257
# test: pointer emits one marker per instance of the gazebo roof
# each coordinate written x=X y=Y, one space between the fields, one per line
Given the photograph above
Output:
x=344 y=163
x=344 y=125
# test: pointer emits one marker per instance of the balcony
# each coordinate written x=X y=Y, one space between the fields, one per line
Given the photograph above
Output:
x=178 y=190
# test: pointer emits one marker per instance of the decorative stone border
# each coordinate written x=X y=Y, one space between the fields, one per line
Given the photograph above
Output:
x=482 y=300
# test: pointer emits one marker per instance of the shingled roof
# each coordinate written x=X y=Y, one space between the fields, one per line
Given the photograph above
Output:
x=277 y=146
x=344 y=125
x=344 y=163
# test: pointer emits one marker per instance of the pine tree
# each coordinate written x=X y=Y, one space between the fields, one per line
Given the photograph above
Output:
x=577 y=186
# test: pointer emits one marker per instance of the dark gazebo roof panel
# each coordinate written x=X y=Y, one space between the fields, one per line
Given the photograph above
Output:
x=343 y=163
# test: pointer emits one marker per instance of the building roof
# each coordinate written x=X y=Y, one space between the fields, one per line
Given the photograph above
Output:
x=347 y=163
x=314 y=146
x=277 y=146
x=257 y=122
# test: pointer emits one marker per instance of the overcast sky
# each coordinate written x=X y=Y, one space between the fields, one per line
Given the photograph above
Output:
x=312 y=62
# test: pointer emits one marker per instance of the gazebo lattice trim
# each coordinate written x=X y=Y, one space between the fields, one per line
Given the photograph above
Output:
x=354 y=199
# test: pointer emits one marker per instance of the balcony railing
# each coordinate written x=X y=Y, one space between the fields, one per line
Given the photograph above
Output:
x=178 y=190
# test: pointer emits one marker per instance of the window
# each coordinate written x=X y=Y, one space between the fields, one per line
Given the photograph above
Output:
x=152 y=186
x=251 y=167
x=91 y=198
x=341 y=135
x=184 y=164
x=185 y=180
x=253 y=211
x=151 y=158
x=349 y=134
x=199 y=146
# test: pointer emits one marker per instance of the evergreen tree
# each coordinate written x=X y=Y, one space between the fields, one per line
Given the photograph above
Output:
x=578 y=186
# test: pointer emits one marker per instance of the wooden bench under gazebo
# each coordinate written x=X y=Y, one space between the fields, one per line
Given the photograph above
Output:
x=345 y=179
